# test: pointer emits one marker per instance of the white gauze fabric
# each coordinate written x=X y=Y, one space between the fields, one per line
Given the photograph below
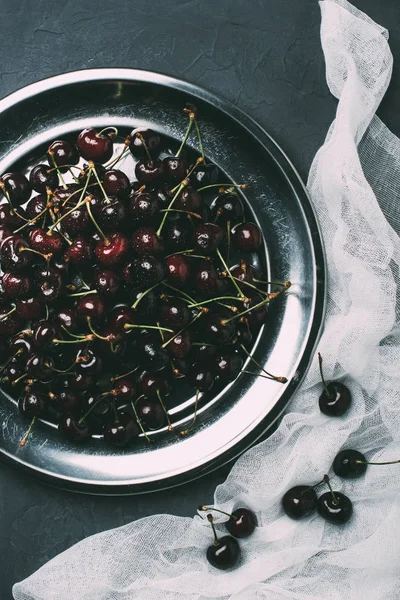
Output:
x=354 y=184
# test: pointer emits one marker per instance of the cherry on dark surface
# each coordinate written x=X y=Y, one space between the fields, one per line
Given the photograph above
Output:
x=247 y=237
x=116 y=183
x=17 y=285
x=36 y=206
x=201 y=377
x=16 y=186
x=206 y=280
x=10 y=322
x=33 y=403
x=180 y=345
x=124 y=389
x=49 y=284
x=95 y=146
x=79 y=252
x=299 y=501
x=106 y=282
x=44 y=333
x=42 y=177
x=92 y=306
x=227 y=207
x=62 y=195
x=189 y=200
x=65 y=400
x=146 y=271
x=228 y=365
x=62 y=153
x=225 y=552
x=175 y=169
x=90 y=180
x=13 y=255
x=45 y=242
x=216 y=330
x=204 y=174
x=154 y=384
x=112 y=215
x=73 y=429
x=81 y=382
x=39 y=367
x=89 y=362
x=178 y=234
x=114 y=250
x=77 y=221
x=151 y=413
x=11 y=219
x=149 y=172
x=149 y=353
x=31 y=308
x=335 y=399
x=174 y=314
x=120 y=316
x=207 y=238
x=349 y=464
x=144 y=208
x=335 y=507
x=150 y=138
x=122 y=431
x=246 y=273
x=145 y=241
x=178 y=270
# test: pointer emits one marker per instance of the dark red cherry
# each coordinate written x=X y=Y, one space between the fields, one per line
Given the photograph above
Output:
x=336 y=508
x=92 y=306
x=36 y=206
x=151 y=413
x=49 y=284
x=149 y=305
x=39 y=367
x=29 y=309
x=88 y=362
x=175 y=169
x=247 y=273
x=299 y=501
x=201 y=377
x=242 y=523
x=4 y=232
x=44 y=333
x=243 y=333
x=144 y=208
x=77 y=221
x=46 y=242
x=95 y=146
x=228 y=365
x=146 y=241
x=149 y=172
x=62 y=153
x=154 y=384
x=122 y=431
x=80 y=252
x=99 y=411
x=178 y=270
x=335 y=399
x=82 y=382
x=112 y=215
x=349 y=464
x=113 y=251
x=257 y=316
x=247 y=237
x=10 y=219
x=116 y=183
x=17 y=187
x=150 y=355
x=73 y=429
x=65 y=401
x=70 y=196
x=180 y=345
x=16 y=285
x=204 y=174
x=106 y=282
x=9 y=323
x=13 y=255
x=66 y=316
x=90 y=179
x=206 y=281
x=227 y=207
x=189 y=200
x=216 y=330
x=224 y=553
x=150 y=138
x=203 y=352
x=33 y=403
x=178 y=235
x=146 y=271
x=174 y=314
x=120 y=316
x=207 y=238
x=42 y=177
x=124 y=389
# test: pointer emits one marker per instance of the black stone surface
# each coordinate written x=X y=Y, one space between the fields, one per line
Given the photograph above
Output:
x=262 y=55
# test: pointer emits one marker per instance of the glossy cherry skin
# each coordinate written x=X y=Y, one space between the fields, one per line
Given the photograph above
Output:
x=62 y=153
x=201 y=377
x=42 y=177
x=227 y=207
x=90 y=179
x=89 y=362
x=124 y=389
x=206 y=280
x=146 y=271
x=151 y=413
x=245 y=273
x=112 y=215
x=10 y=219
x=80 y=252
x=49 y=284
x=9 y=324
x=150 y=138
x=74 y=431
x=39 y=367
x=29 y=309
x=189 y=200
x=45 y=242
x=299 y=501
x=207 y=238
x=242 y=523
x=225 y=554
x=347 y=465
x=4 y=233
x=67 y=317
x=106 y=282
x=204 y=174
x=92 y=306
x=150 y=355
x=17 y=187
x=44 y=333
x=95 y=146
x=175 y=169
x=121 y=432
x=144 y=208
x=36 y=206
x=228 y=365
x=66 y=401
x=76 y=222
x=154 y=384
x=33 y=403
x=178 y=270
x=335 y=401
x=149 y=173
x=17 y=285
x=216 y=330
x=69 y=196
x=119 y=316
x=247 y=237
x=113 y=251
x=243 y=333
x=180 y=345
x=13 y=255
x=81 y=382
x=146 y=241
x=22 y=343
x=178 y=234
x=338 y=512
x=203 y=352
x=174 y=314
x=257 y=316
x=116 y=183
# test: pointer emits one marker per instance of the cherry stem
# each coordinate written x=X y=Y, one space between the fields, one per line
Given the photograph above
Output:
x=250 y=285
x=19 y=379
x=234 y=309
x=77 y=205
x=25 y=438
x=100 y=337
x=60 y=370
x=217 y=298
x=53 y=160
x=240 y=186
x=149 y=158
x=200 y=141
x=132 y=326
x=114 y=129
x=93 y=168
x=230 y=274
x=170 y=428
x=188 y=130
x=182 y=185
x=322 y=376
x=267 y=300
x=328 y=483
x=112 y=379
x=228 y=232
x=45 y=256
x=183 y=329
x=180 y=292
x=272 y=378
x=114 y=161
x=87 y=413
x=101 y=233
x=74 y=194
x=134 y=305
x=8 y=313
x=366 y=462
x=186 y=431
x=198 y=161
x=85 y=293
x=18 y=352
x=80 y=341
x=269 y=282
x=139 y=422
x=211 y=521
x=280 y=379
x=181 y=252
x=205 y=508
x=177 y=210
x=31 y=221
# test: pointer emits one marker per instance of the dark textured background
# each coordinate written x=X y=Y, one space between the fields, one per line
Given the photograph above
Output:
x=264 y=56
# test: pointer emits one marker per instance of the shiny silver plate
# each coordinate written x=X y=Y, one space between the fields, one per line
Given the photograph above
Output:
x=230 y=423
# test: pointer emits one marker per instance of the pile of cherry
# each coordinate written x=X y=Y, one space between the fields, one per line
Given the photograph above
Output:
x=302 y=500
x=114 y=291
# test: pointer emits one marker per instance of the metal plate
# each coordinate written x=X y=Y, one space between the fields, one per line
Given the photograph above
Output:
x=230 y=423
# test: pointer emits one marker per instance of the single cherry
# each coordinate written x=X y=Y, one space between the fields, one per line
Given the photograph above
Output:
x=112 y=214
x=178 y=270
x=201 y=377
x=89 y=362
x=91 y=306
x=180 y=345
x=247 y=237
x=29 y=309
x=227 y=207
x=114 y=250
x=225 y=552
x=16 y=187
x=73 y=429
x=142 y=138
x=77 y=221
x=299 y=501
x=189 y=200
x=349 y=464
x=207 y=238
x=62 y=153
x=174 y=314
x=146 y=241
x=44 y=333
x=41 y=177
x=206 y=280
x=122 y=431
x=79 y=252
x=146 y=271
x=245 y=273
x=65 y=400
x=116 y=183
x=36 y=206
x=95 y=146
x=242 y=521
x=228 y=365
x=17 y=285
x=49 y=284
x=175 y=169
x=204 y=174
x=149 y=172
x=178 y=234
x=120 y=316
x=144 y=208
x=151 y=413
x=33 y=403
x=14 y=253
x=334 y=507
x=154 y=385
x=335 y=400
x=216 y=329
x=150 y=355
x=46 y=242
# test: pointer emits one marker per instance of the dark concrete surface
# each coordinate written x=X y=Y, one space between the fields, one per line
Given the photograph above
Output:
x=262 y=55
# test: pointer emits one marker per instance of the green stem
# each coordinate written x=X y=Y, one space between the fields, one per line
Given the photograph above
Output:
x=327 y=392
x=53 y=160
x=114 y=129
x=180 y=292
x=272 y=378
x=8 y=313
x=170 y=428
x=139 y=422
x=93 y=168
x=188 y=130
x=250 y=285
x=229 y=273
x=280 y=379
x=214 y=300
x=181 y=187
x=100 y=337
x=77 y=205
x=200 y=141
x=95 y=223
x=27 y=434
x=131 y=326
x=328 y=483
x=186 y=431
x=240 y=186
x=182 y=330
x=135 y=304
x=85 y=293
